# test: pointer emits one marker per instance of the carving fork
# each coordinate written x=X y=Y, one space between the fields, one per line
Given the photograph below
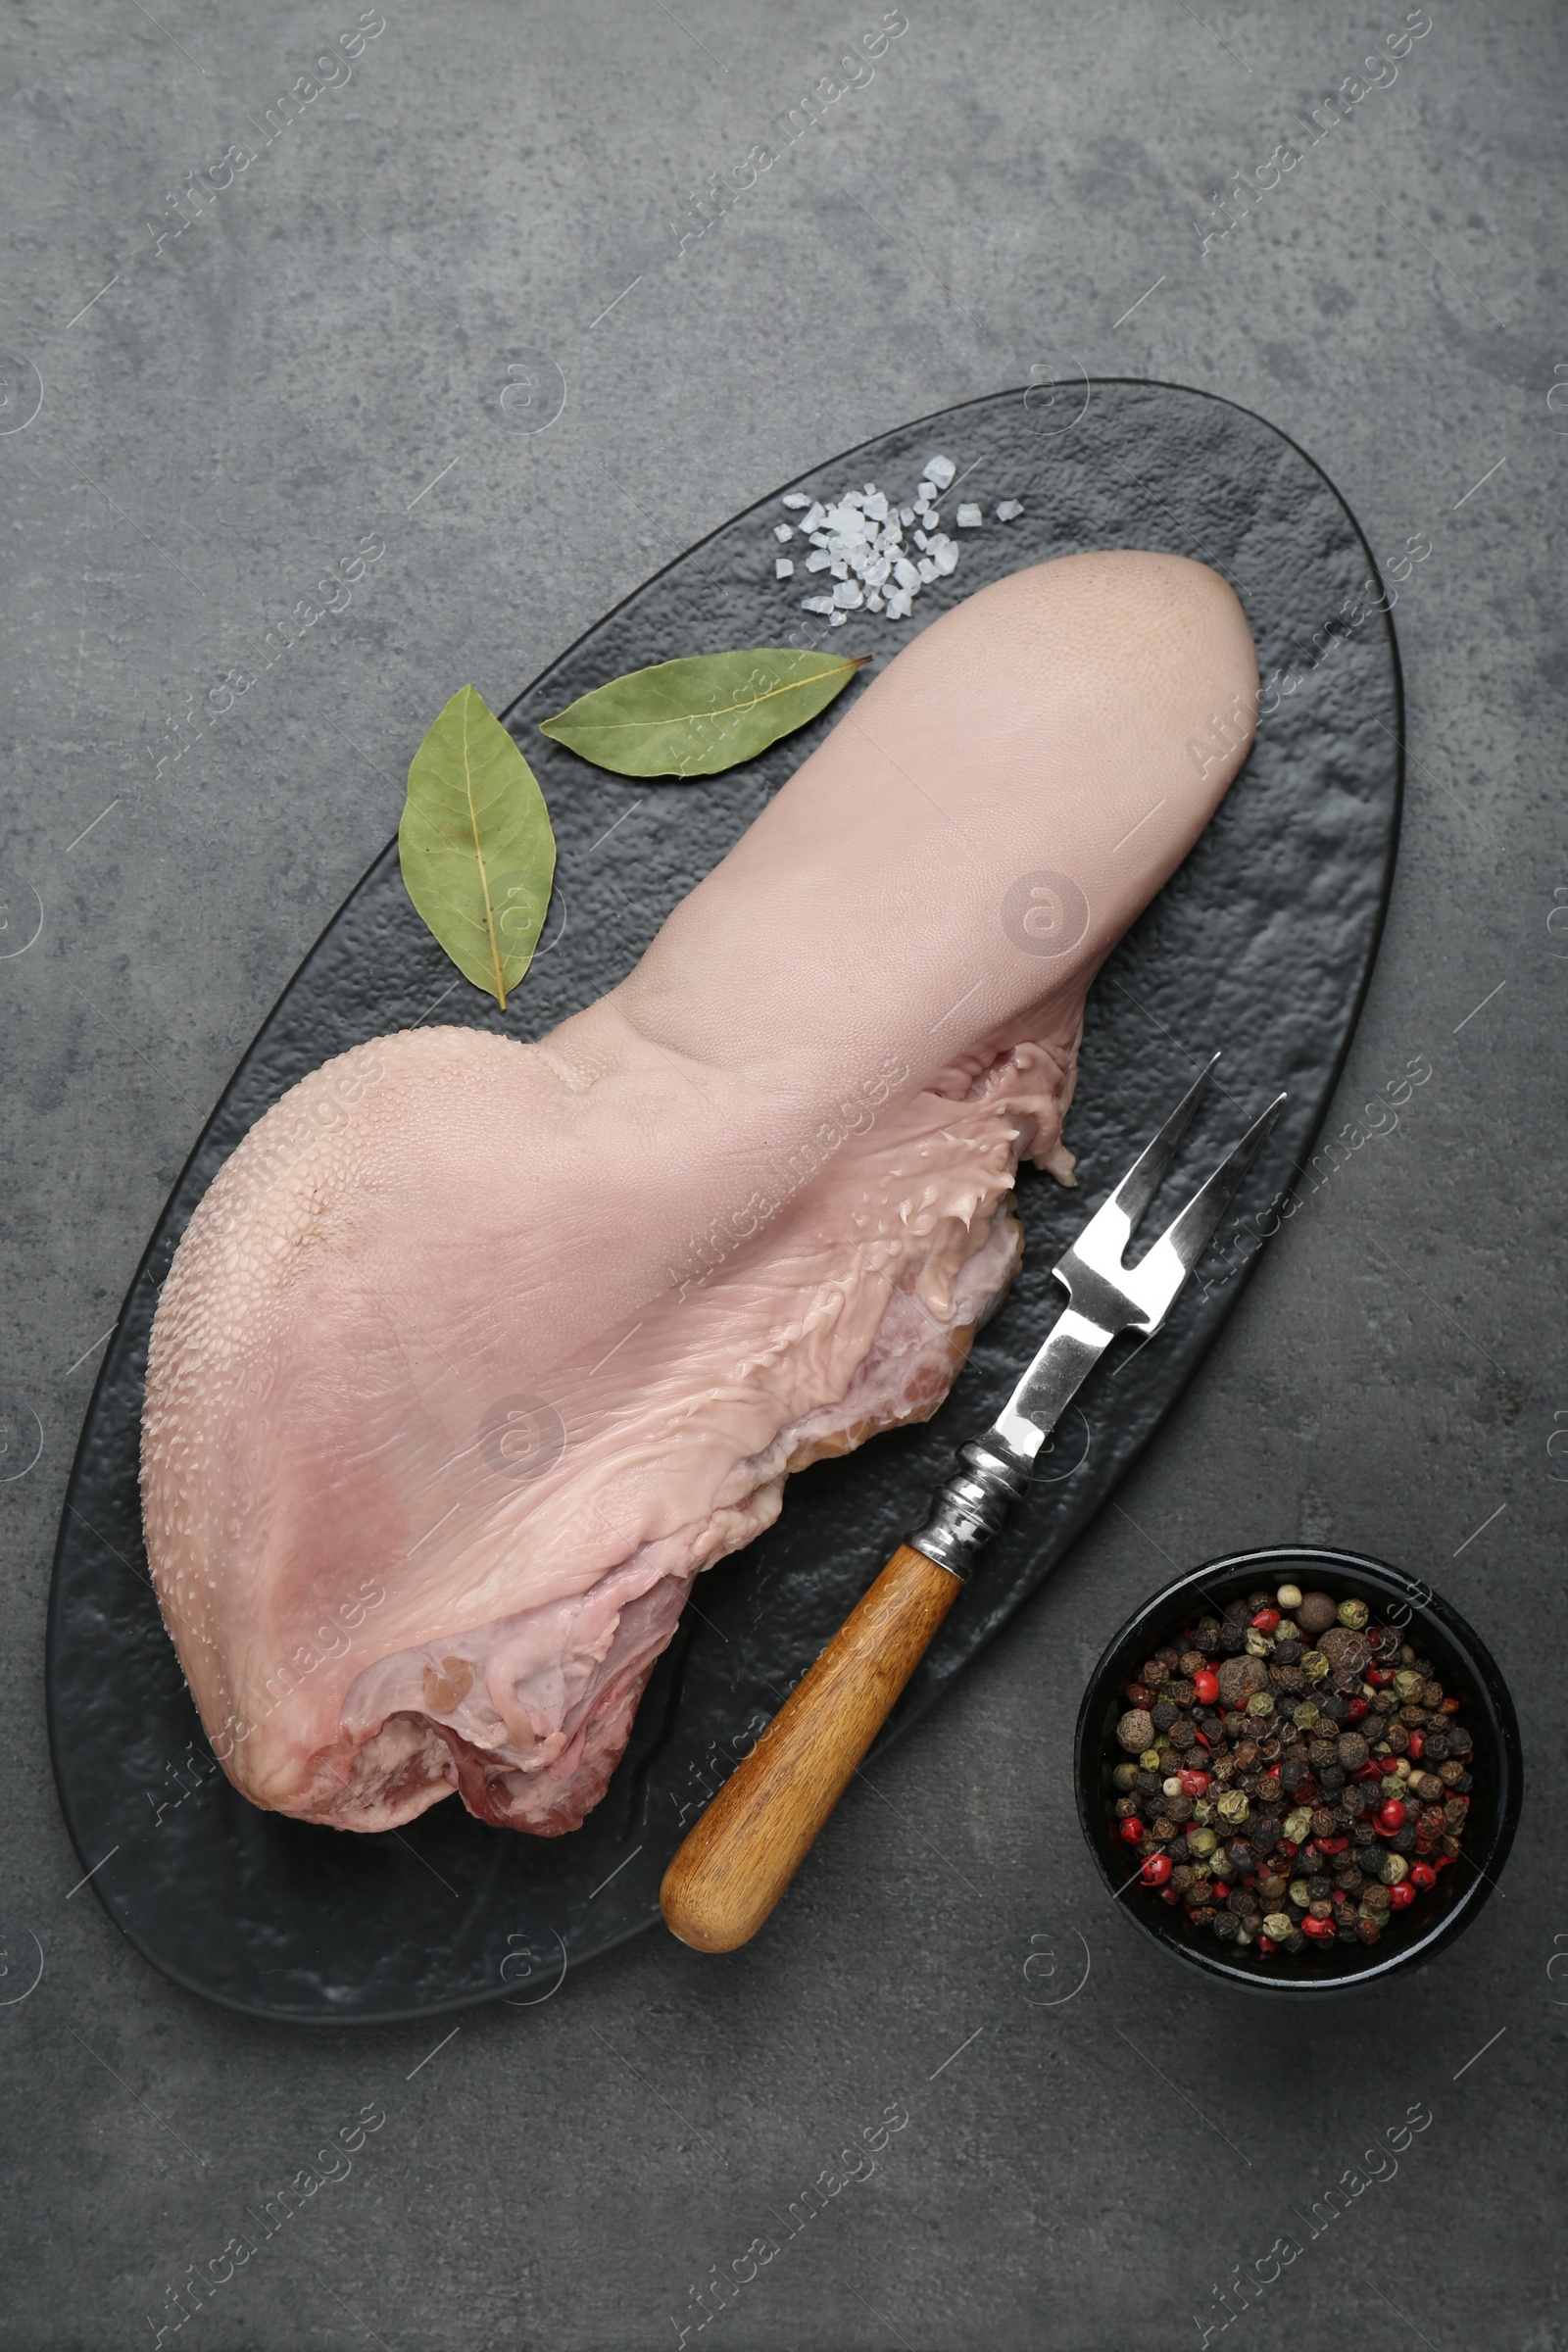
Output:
x=739 y=1857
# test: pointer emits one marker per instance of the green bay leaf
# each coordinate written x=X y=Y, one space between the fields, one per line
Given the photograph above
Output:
x=702 y=715
x=475 y=845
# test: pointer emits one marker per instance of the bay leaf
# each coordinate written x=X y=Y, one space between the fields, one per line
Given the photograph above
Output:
x=701 y=715
x=475 y=845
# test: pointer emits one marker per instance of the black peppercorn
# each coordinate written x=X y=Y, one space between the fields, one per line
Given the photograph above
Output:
x=1205 y=1637
x=1364 y=1833
x=1227 y=1926
x=1233 y=1636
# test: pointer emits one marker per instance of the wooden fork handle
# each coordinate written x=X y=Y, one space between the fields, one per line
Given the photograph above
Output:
x=738 y=1860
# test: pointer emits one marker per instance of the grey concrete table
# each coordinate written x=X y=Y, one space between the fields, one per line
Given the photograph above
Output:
x=271 y=307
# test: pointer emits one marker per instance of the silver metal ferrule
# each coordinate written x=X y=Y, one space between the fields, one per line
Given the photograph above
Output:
x=973 y=1506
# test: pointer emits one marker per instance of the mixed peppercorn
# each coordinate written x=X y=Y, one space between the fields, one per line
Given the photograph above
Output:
x=1291 y=1773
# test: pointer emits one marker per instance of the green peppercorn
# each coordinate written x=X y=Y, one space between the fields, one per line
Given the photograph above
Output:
x=1125 y=1777
x=1354 y=1613
x=1261 y=1703
x=1150 y=1759
x=1234 y=1806
x=1393 y=1867
x=1315 y=1666
x=1299 y=1825
x=1202 y=1840
x=1278 y=1924
x=1304 y=1716
x=1300 y=1893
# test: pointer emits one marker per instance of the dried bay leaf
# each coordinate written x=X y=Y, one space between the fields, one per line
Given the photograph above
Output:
x=475 y=845
x=702 y=715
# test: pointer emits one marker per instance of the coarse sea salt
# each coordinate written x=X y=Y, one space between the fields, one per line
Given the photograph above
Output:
x=859 y=540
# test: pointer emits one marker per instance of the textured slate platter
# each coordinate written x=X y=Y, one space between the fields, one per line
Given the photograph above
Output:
x=1262 y=943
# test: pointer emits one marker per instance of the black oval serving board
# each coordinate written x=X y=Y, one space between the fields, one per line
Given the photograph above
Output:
x=1261 y=943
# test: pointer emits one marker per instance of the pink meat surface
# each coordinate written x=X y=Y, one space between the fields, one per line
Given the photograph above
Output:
x=476 y=1352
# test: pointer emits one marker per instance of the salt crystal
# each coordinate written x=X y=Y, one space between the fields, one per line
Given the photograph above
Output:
x=1010 y=510
x=858 y=538
x=837 y=620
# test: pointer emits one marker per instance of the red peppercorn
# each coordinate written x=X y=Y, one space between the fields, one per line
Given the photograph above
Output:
x=1287 y=1846
x=1266 y=1620
x=1266 y=1943
x=1379 y=1677
x=1131 y=1832
x=1402 y=1895
x=1418 y=1746
x=1359 y=1708
x=1332 y=1845
x=1321 y=1930
x=1193 y=1782
x=1156 y=1870
x=1368 y=1771
x=1451 y=1707
x=1423 y=1875
x=1205 y=1686
x=1393 y=1813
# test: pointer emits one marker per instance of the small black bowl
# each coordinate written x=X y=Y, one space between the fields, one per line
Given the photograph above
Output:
x=1464 y=1666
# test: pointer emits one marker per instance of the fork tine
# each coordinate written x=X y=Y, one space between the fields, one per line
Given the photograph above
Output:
x=1145 y=1177
x=1190 y=1234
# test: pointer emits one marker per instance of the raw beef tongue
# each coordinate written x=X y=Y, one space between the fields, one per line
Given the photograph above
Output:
x=476 y=1352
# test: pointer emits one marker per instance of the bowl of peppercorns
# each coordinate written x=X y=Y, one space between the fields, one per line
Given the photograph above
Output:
x=1298 y=1769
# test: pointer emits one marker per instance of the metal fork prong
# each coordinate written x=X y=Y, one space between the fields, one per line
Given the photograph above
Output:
x=1190 y=1234
x=1145 y=1177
